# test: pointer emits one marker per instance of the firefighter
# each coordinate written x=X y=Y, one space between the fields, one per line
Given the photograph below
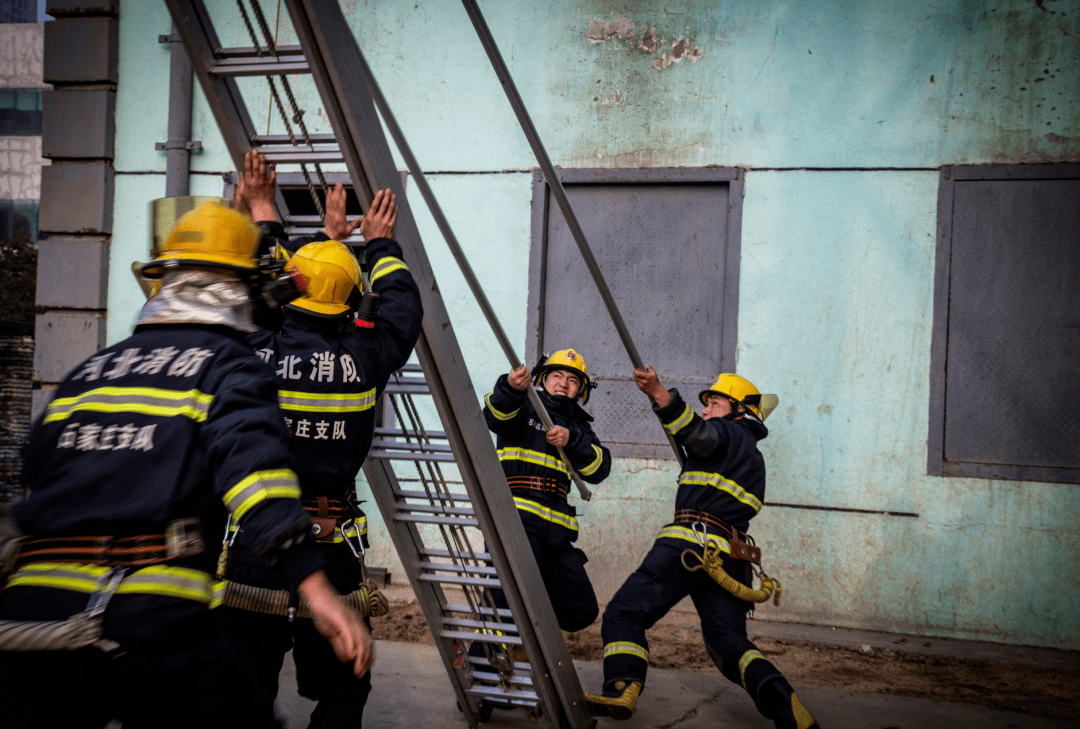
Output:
x=539 y=480
x=721 y=488
x=330 y=373
x=147 y=449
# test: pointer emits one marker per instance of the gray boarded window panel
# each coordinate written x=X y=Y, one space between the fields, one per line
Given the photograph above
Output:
x=664 y=248
x=1012 y=326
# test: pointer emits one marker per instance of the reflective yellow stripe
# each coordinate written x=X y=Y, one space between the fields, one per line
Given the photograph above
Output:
x=337 y=402
x=745 y=661
x=626 y=649
x=595 y=465
x=385 y=266
x=555 y=517
x=535 y=457
x=144 y=400
x=260 y=486
x=179 y=582
x=499 y=415
x=680 y=422
x=701 y=478
x=687 y=535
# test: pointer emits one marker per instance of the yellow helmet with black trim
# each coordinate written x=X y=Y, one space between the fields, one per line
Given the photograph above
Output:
x=333 y=278
x=742 y=392
x=569 y=360
x=211 y=234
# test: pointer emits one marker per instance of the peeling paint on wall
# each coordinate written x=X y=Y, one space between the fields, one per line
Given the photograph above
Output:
x=625 y=29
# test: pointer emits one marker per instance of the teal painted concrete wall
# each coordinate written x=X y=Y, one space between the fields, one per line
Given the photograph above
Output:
x=841 y=112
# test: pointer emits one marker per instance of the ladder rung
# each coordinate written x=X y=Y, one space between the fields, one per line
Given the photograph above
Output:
x=398 y=433
x=482 y=637
x=457 y=554
x=435 y=509
x=426 y=519
x=450 y=567
x=263 y=139
x=481 y=625
x=302 y=154
x=265 y=66
x=483 y=662
x=395 y=388
x=524 y=698
x=261 y=51
x=516 y=679
x=398 y=456
x=455 y=608
x=412 y=445
x=456 y=580
x=435 y=496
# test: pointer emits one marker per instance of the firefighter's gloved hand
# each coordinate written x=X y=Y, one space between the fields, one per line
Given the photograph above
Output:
x=347 y=634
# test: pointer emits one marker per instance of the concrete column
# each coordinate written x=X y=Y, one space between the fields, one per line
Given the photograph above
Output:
x=78 y=131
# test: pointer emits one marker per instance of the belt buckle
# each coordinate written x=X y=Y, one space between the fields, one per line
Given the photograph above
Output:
x=183 y=538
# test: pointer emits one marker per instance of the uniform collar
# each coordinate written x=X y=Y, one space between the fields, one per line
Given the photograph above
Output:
x=193 y=296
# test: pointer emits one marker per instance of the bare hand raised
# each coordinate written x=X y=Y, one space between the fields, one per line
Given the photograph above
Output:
x=378 y=221
x=256 y=187
x=519 y=378
x=649 y=382
x=337 y=227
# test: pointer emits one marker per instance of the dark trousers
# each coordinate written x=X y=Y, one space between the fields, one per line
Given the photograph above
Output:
x=320 y=676
x=174 y=686
x=650 y=592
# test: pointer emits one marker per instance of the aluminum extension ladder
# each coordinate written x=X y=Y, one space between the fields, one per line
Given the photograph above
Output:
x=526 y=661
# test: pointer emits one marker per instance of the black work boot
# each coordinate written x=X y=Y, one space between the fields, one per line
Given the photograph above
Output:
x=618 y=700
x=779 y=702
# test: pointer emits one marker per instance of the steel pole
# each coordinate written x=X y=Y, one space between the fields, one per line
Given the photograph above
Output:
x=462 y=261
x=556 y=187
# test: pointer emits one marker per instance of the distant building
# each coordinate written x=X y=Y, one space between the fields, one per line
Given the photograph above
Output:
x=19 y=11
x=21 y=50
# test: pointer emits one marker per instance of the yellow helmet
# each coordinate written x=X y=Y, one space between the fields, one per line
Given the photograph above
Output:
x=742 y=391
x=569 y=360
x=332 y=276
x=210 y=234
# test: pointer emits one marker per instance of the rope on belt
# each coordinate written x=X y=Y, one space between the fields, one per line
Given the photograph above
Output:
x=713 y=563
x=366 y=601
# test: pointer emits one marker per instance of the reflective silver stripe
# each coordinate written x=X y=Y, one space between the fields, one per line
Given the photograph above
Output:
x=555 y=517
x=595 y=465
x=687 y=535
x=680 y=422
x=745 y=661
x=144 y=400
x=327 y=402
x=499 y=415
x=535 y=457
x=701 y=478
x=259 y=486
x=387 y=265
x=626 y=649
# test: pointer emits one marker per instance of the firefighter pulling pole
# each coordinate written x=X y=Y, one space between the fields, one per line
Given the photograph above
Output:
x=557 y=189
x=462 y=261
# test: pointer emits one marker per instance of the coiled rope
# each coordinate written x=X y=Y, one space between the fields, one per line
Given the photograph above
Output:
x=366 y=601
x=713 y=564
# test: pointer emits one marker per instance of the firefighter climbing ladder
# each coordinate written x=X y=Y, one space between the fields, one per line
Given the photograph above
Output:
x=458 y=486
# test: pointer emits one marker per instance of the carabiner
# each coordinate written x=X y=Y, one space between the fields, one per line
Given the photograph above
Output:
x=702 y=536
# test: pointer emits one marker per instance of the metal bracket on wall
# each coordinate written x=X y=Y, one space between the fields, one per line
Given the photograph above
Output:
x=178 y=144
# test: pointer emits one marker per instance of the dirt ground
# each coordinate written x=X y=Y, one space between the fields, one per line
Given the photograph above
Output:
x=1023 y=688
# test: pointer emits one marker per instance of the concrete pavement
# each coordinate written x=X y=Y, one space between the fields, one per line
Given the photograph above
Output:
x=411 y=691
